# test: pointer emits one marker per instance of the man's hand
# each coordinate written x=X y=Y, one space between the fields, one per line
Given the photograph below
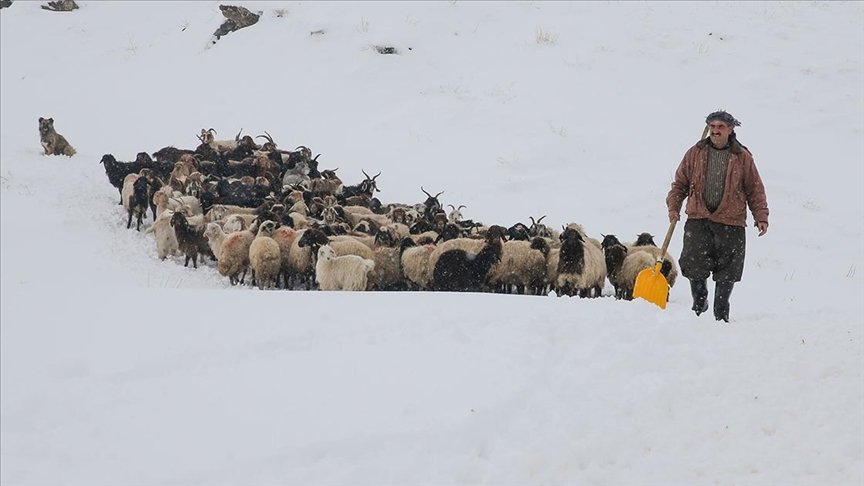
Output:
x=674 y=216
x=763 y=227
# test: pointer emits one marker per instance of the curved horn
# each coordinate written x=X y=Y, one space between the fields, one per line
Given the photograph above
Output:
x=541 y=218
x=532 y=220
x=461 y=206
x=376 y=175
x=237 y=137
x=301 y=147
x=213 y=130
x=436 y=195
x=200 y=138
x=424 y=191
x=316 y=157
x=365 y=174
x=454 y=209
x=269 y=138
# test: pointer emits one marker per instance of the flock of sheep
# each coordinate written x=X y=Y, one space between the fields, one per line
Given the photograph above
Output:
x=272 y=215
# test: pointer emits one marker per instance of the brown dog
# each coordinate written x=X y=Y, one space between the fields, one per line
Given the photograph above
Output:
x=53 y=142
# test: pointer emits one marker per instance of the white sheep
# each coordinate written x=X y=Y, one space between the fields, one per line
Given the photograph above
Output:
x=522 y=265
x=300 y=258
x=166 y=238
x=215 y=236
x=299 y=220
x=265 y=256
x=347 y=272
x=234 y=254
x=581 y=265
x=415 y=263
x=167 y=198
x=299 y=207
x=219 y=212
x=639 y=258
x=237 y=222
x=387 y=274
x=284 y=237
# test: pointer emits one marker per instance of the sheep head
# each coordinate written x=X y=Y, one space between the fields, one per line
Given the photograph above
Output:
x=645 y=239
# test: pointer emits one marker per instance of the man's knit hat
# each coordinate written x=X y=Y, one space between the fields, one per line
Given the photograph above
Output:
x=724 y=117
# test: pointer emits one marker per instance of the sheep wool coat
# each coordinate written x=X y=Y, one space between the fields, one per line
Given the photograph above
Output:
x=743 y=187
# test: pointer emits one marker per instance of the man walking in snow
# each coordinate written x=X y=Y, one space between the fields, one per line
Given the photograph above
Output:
x=719 y=180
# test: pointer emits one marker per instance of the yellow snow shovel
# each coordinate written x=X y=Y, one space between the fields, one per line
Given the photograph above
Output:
x=651 y=285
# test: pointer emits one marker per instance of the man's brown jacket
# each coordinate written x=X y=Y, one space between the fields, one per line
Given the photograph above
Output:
x=743 y=187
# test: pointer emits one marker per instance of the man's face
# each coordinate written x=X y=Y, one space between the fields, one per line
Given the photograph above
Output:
x=719 y=132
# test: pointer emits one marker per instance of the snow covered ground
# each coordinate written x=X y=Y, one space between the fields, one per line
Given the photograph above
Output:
x=116 y=368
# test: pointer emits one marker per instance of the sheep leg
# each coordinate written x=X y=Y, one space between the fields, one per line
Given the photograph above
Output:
x=129 y=221
x=186 y=262
x=195 y=259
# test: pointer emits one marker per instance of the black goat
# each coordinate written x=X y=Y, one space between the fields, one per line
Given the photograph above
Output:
x=461 y=271
x=366 y=188
x=431 y=205
x=240 y=194
x=170 y=155
x=117 y=171
x=519 y=232
x=138 y=201
x=190 y=240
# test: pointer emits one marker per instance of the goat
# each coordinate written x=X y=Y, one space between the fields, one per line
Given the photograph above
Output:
x=431 y=206
x=135 y=192
x=191 y=240
x=455 y=215
x=346 y=272
x=207 y=137
x=366 y=188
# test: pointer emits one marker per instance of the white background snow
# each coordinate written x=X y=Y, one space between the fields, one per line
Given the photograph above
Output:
x=117 y=368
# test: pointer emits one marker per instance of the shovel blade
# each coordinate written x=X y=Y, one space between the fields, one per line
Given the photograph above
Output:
x=652 y=286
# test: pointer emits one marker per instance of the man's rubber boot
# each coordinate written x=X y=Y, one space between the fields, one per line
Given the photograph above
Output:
x=699 y=290
x=722 y=291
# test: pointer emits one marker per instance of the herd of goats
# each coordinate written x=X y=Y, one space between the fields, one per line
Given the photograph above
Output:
x=273 y=214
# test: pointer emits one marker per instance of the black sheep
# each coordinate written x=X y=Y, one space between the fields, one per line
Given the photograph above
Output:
x=571 y=257
x=614 y=253
x=461 y=271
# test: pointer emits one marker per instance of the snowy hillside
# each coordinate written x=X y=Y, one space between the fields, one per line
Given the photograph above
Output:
x=117 y=368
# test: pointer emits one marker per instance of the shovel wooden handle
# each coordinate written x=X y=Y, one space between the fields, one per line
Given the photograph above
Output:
x=667 y=239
